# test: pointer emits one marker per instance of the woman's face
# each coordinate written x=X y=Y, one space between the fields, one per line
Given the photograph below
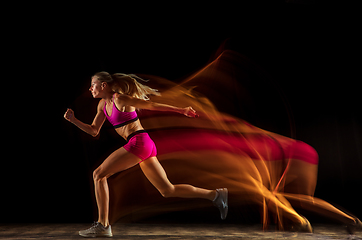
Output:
x=96 y=88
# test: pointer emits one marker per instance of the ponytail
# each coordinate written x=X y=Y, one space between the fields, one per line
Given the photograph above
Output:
x=128 y=84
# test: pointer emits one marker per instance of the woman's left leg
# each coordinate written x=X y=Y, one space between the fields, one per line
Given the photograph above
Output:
x=155 y=173
x=118 y=161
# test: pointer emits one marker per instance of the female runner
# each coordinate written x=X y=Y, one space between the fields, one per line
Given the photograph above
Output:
x=121 y=95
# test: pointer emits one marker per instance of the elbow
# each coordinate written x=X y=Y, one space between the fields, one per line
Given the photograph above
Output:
x=94 y=133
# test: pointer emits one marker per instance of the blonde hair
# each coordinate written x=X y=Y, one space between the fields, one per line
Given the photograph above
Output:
x=127 y=84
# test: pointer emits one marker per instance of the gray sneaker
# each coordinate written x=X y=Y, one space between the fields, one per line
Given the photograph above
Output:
x=221 y=202
x=97 y=230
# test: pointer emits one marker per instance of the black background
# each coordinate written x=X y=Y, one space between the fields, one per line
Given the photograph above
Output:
x=310 y=53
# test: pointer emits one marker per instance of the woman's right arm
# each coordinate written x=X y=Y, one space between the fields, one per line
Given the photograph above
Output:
x=92 y=129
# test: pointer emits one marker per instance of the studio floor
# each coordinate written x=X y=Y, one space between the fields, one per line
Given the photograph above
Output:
x=170 y=231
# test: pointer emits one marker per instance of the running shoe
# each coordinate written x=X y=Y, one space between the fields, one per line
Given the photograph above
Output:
x=97 y=230
x=221 y=202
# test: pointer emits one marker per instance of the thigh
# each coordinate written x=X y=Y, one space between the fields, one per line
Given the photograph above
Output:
x=155 y=173
x=118 y=161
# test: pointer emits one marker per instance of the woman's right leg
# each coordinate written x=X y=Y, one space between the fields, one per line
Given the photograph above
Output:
x=155 y=173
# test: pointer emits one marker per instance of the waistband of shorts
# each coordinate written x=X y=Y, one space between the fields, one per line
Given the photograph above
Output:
x=135 y=133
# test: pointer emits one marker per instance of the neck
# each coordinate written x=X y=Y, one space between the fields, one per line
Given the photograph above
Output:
x=109 y=98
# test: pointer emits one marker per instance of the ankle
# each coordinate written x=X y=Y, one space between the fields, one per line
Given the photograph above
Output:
x=104 y=223
x=216 y=196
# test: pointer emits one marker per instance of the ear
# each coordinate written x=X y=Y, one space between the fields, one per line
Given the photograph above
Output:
x=103 y=85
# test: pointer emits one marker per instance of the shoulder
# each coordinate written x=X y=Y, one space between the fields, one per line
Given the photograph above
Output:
x=101 y=105
x=122 y=98
x=128 y=101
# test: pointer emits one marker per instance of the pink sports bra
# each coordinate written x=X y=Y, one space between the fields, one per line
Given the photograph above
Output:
x=119 y=119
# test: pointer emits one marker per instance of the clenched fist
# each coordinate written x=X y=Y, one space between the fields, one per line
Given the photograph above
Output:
x=190 y=112
x=69 y=115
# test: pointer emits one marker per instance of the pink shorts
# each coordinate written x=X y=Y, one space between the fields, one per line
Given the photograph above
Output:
x=140 y=144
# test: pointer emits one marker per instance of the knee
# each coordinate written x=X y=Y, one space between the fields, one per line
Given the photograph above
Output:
x=167 y=192
x=98 y=175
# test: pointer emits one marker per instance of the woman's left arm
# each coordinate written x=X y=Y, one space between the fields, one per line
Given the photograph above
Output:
x=143 y=104
x=187 y=111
